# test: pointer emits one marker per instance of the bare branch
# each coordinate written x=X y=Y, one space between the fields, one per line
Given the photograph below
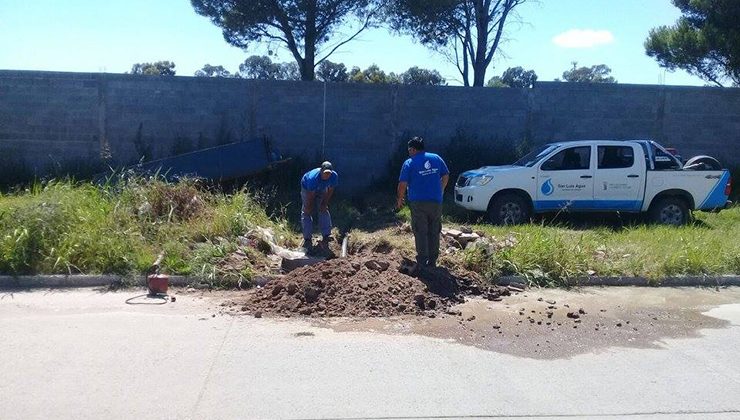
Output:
x=499 y=31
x=364 y=26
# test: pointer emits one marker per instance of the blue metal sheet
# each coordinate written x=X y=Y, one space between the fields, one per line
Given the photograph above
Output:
x=224 y=162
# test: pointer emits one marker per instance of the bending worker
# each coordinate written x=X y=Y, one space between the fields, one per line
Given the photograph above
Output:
x=425 y=176
x=317 y=187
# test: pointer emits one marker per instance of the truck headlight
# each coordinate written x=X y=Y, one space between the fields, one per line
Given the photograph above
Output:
x=480 y=181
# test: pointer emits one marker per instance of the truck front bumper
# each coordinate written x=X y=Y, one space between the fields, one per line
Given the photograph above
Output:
x=470 y=198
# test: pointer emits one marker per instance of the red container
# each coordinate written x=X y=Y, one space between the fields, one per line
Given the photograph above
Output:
x=158 y=283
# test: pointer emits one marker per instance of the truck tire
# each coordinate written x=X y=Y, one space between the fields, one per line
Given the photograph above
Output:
x=670 y=211
x=703 y=163
x=509 y=209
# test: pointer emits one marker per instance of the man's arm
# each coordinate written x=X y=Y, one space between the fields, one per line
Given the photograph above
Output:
x=444 y=180
x=326 y=197
x=308 y=205
x=401 y=193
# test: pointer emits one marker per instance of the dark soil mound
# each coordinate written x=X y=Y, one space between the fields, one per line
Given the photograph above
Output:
x=365 y=285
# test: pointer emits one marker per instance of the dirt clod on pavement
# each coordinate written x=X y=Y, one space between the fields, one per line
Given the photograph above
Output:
x=367 y=285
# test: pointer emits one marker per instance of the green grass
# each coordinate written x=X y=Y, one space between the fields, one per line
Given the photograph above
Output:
x=69 y=227
x=119 y=228
x=550 y=253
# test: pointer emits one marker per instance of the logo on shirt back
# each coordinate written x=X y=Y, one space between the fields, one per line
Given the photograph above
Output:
x=428 y=169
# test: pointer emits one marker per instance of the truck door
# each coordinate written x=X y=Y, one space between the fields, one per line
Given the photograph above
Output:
x=619 y=178
x=565 y=180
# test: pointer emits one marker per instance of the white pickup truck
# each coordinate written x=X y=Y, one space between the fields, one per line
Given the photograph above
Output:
x=621 y=176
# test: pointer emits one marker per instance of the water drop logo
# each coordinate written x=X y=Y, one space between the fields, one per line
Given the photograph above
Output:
x=547 y=187
x=427 y=165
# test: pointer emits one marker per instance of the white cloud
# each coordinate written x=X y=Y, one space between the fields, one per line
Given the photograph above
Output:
x=583 y=38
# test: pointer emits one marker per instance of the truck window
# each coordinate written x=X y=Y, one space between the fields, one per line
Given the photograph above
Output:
x=663 y=160
x=573 y=158
x=614 y=157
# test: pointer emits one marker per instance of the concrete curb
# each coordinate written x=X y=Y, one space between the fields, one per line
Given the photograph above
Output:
x=727 y=280
x=78 y=280
x=81 y=280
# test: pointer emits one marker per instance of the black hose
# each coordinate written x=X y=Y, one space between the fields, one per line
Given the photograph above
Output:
x=152 y=297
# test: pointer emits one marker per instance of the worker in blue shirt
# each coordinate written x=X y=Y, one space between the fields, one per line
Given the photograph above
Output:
x=317 y=187
x=424 y=175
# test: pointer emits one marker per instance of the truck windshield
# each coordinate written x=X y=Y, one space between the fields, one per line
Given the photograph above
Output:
x=531 y=158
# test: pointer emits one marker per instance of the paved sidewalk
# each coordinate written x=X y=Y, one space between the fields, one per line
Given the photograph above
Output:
x=86 y=355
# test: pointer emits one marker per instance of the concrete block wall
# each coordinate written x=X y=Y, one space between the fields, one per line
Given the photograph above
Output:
x=49 y=117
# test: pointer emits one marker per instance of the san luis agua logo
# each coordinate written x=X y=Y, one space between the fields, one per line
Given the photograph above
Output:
x=547 y=187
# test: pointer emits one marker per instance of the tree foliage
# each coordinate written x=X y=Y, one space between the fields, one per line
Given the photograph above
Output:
x=307 y=28
x=372 y=74
x=600 y=73
x=514 y=77
x=467 y=32
x=705 y=41
x=212 y=71
x=496 y=81
x=159 y=68
x=413 y=76
x=422 y=77
x=332 y=72
x=263 y=68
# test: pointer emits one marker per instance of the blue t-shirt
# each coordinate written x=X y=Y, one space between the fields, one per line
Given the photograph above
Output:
x=422 y=173
x=312 y=181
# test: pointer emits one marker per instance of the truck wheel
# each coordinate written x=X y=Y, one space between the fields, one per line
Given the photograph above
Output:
x=509 y=209
x=670 y=211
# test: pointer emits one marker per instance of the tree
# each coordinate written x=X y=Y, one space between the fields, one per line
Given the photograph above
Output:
x=306 y=27
x=705 y=41
x=159 y=68
x=262 y=67
x=212 y=71
x=467 y=32
x=419 y=76
x=594 y=74
x=259 y=67
x=332 y=72
x=372 y=74
x=289 y=71
x=514 y=77
x=496 y=81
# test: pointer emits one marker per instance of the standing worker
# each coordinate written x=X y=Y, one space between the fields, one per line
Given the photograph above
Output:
x=425 y=176
x=317 y=186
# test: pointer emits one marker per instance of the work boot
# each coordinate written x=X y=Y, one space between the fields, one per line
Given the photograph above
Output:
x=408 y=267
x=307 y=245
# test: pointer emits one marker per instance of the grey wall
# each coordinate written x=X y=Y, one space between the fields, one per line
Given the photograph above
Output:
x=48 y=117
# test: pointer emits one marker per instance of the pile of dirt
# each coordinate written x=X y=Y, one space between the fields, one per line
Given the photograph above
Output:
x=369 y=285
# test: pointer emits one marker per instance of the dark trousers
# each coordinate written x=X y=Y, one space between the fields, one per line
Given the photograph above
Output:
x=426 y=222
x=307 y=219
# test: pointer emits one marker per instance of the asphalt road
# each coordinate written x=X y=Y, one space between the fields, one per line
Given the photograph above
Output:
x=85 y=354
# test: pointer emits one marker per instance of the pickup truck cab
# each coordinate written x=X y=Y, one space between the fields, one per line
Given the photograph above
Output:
x=621 y=176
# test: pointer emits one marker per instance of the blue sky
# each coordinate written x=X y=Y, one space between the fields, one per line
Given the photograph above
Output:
x=109 y=36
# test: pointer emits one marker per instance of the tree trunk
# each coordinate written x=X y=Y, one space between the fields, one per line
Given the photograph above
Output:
x=308 y=72
x=466 y=67
x=482 y=20
x=479 y=73
x=308 y=67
